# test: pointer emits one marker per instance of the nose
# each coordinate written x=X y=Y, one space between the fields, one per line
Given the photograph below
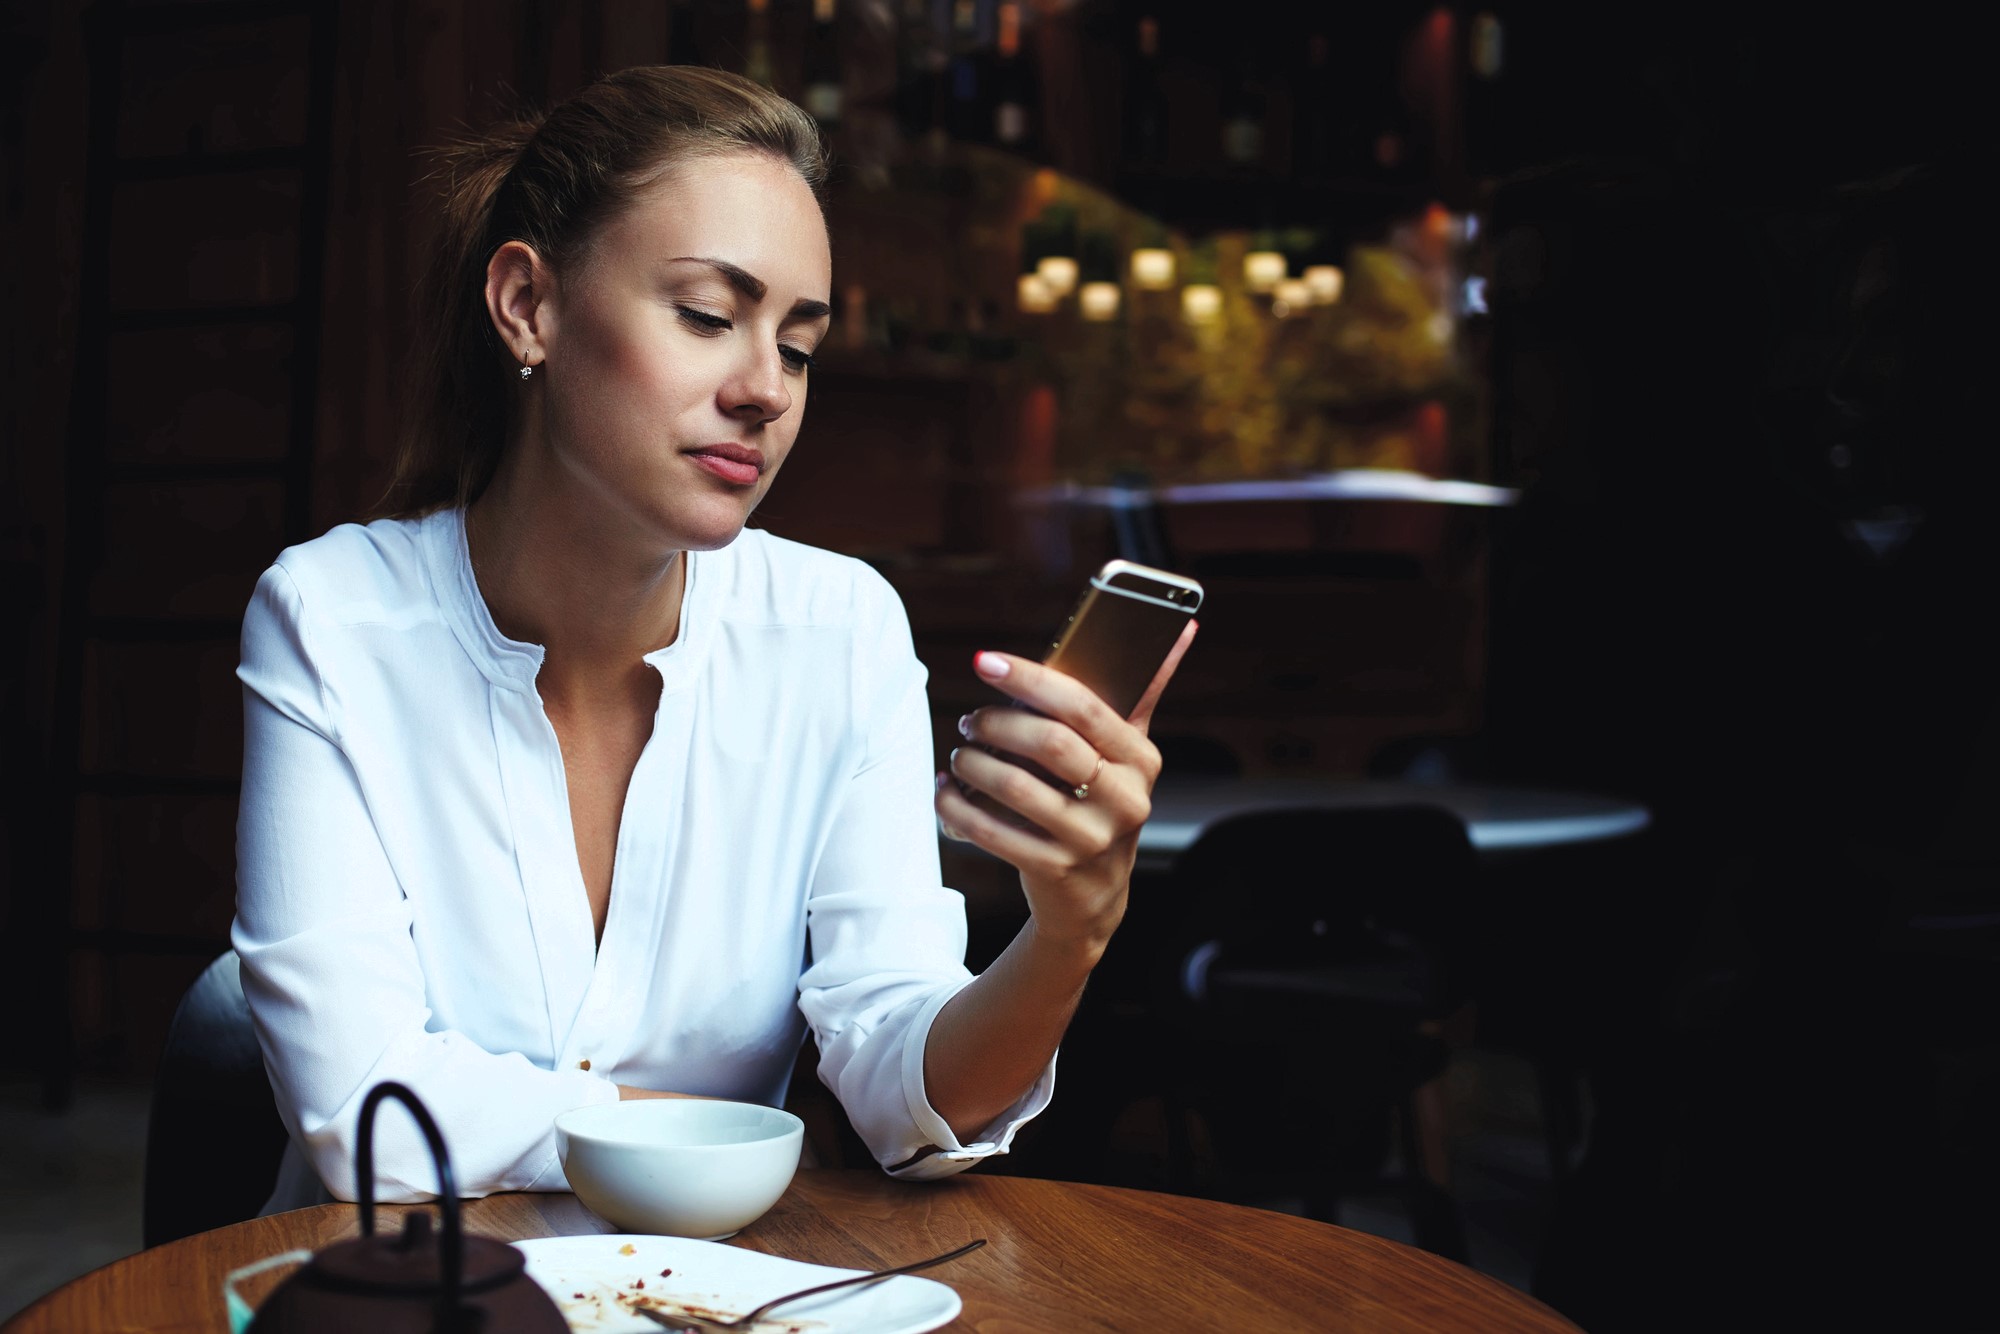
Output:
x=756 y=387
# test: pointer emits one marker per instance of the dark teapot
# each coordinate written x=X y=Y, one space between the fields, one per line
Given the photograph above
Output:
x=421 y=1281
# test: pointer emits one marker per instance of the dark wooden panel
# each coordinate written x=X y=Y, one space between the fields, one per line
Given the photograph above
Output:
x=161 y=865
x=205 y=241
x=187 y=549
x=162 y=709
x=211 y=394
x=218 y=89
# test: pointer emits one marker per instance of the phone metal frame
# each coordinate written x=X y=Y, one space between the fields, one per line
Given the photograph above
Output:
x=1117 y=652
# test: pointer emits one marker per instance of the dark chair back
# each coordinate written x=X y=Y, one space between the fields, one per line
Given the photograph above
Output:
x=1312 y=954
x=214 y=1140
x=1330 y=889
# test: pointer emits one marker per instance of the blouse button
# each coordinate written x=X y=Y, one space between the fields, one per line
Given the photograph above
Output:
x=583 y=1064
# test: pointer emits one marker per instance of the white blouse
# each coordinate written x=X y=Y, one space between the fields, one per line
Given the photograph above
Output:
x=409 y=904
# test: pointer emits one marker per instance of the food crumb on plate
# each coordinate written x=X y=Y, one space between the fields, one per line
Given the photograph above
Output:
x=628 y=1249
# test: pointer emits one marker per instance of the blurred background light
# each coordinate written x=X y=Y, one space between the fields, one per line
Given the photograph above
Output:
x=1201 y=302
x=1325 y=282
x=1153 y=269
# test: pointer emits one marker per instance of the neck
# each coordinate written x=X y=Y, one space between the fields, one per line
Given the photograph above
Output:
x=559 y=570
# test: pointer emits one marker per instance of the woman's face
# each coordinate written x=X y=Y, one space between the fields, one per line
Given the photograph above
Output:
x=678 y=346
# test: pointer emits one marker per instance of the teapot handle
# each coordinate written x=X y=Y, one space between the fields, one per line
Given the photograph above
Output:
x=451 y=1240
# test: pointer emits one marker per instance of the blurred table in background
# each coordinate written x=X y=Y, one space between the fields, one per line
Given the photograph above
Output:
x=1497 y=819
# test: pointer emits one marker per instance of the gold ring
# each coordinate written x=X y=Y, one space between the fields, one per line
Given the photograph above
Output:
x=1082 y=790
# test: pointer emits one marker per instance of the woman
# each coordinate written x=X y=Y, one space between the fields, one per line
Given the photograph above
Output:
x=561 y=787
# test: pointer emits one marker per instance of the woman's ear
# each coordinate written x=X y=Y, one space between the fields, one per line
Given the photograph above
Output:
x=518 y=284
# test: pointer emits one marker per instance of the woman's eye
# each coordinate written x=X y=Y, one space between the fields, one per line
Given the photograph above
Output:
x=796 y=359
x=703 y=320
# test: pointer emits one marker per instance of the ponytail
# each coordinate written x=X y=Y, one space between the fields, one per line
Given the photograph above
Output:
x=455 y=416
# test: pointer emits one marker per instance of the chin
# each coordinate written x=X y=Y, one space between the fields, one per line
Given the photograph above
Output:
x=717 y=541
x=710 y=528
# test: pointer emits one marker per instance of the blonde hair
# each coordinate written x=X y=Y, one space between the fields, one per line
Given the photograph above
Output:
x=553 y=181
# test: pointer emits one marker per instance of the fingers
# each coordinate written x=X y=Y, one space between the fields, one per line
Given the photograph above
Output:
x=1063 y=698
x=1026 y=795
x=1142 y=715
x=1000 y=793
x=1045 y=743
x=1040 y=829
x=966 y=820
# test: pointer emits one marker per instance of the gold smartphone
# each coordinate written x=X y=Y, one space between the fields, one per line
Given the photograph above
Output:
x=1114 y=641
x=1122 y=629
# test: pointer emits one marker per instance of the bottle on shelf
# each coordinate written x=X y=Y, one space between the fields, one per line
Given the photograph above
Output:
x=924 y=103
x=1011 y=119
x=1243 y=114
x=1146 y=102
x=757 y=64
x=684 y=46
x=1313 y=150
x=825 y=86
x=971 y=113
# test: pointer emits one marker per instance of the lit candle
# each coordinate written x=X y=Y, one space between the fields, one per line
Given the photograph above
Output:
x=1034 y=294
x=1201 y=302
x=1325 y=281
x=1263 y=270
x=1153 y=269
x=1059 y=272
x=1099 y=301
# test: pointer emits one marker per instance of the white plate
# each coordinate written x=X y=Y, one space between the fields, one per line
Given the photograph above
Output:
x=723 y=1280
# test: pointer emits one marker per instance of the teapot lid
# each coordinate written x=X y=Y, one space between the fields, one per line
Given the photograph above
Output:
x=411 y=1263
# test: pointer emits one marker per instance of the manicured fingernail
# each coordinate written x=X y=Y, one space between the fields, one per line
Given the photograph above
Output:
x=990 y=665
x=942 y=779
x=951 y=761
x=965 y=726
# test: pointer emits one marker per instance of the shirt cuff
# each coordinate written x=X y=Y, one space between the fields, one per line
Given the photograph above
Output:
x=590 y=1091
x=943 y=1154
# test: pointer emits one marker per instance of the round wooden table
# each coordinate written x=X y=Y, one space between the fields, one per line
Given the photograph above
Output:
x=1060 y=1256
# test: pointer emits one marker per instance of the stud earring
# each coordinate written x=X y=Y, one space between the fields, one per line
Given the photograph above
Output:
x=527 y=371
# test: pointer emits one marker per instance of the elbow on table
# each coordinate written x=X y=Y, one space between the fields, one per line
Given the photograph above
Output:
x=402 y=1165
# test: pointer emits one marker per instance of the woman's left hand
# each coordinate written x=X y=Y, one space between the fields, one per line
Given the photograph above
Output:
x=1075 y=852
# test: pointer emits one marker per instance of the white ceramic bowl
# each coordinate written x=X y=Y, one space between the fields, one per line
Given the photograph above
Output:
x=679 y=1167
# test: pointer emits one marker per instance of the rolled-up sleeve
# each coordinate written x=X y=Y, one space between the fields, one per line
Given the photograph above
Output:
x=888 y=939
x=330 y=968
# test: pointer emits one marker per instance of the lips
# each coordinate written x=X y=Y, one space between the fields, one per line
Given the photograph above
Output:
x=737 y=464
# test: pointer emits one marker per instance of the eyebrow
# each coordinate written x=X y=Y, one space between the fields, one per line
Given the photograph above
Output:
x=754 y=287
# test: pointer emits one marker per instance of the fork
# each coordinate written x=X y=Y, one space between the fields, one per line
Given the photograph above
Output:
x=696 y=1324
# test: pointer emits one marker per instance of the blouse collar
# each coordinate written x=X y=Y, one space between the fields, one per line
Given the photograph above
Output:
x=515 y=665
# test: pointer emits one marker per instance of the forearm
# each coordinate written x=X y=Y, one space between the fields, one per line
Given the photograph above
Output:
x=1075 y=848
x=992 y=1041
x=632 y=1093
